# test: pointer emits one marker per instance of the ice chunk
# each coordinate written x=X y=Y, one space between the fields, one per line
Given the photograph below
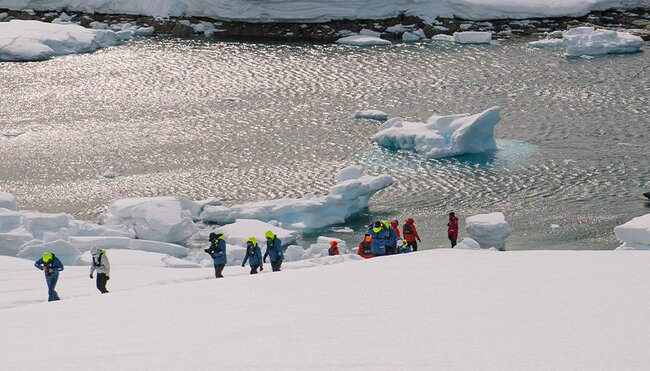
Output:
x=84 y=243
x=144 y=31
x=3 y=15
x=7 y=201
x=409 y=37
x=33 y=40
x=371 y=115
x=468 y=244
x=442 y=136
x=167 y=219
x=489 y=230
x=635 y=234
x=65 y=251
x=82 y=228
x=362 y=40
x=346 y=198
x=472 y=37
x=12 y=241
x=588 y=41
x=368 y=32
x=39 y=223
x=9 y=220
x=324 y=240
x=443 y=37
x=238 y=232
x=160 y=247
x=547 y=43
x=348 y=173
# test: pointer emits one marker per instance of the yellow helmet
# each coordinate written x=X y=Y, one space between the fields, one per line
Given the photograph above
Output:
x=47 y=256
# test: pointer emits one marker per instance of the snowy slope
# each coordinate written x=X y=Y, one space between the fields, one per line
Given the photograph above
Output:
x=317 y=10
x=441 y=309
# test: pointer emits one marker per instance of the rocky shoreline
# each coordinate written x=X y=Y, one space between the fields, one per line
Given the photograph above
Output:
x=635 y=21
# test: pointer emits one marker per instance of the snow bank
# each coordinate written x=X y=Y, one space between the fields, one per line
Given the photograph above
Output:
x=319 y=249
x=238 y=232
x=441 y=136
x=371 y=115
x=488 y=230
x=318 y=11
x=347 y=197
x=468 y=244
x=589 y=41
x=65 y=251
x=472 y=37
x=34 y=40
x=635 y=234
x=167 y=219
x=7 y=201
x=362 y=40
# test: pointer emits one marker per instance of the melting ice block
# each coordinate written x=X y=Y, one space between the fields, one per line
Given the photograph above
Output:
x=489 y=230
x=347 y=197
x=635 y=234
x=441 y=136
x=34 y=40
x=581 y=41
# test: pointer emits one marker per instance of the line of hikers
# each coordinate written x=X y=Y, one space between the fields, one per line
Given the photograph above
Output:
x=383 y=238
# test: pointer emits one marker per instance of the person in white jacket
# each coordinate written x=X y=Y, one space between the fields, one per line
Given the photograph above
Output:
x=103 y=267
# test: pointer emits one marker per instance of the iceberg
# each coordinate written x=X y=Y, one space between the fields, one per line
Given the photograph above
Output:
x=488 y=230
x=347 y=197
x=441 y=136
x=635 y=234
x=581 y=41
x=468 y=244
x=371 y=115
x=362 y=40
x=34 y=40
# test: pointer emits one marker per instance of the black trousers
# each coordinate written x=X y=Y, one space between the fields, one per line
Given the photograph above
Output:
x=102 y=279
x=254 y=269
x=218 y=268
x=275 y=265
x=414 y=245
x=453 y=242
x=390 y=250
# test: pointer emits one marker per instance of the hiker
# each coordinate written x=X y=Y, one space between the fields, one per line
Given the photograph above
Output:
x=103 y=267
x=253 y=255
x=334 y=248
x=452 y=229
x=51 y=265
x=406 y=248
x=379 y=234
x=399 y=246
x=217 y=251
x=391 y=241
x=365 y=250
x=410 y=233
x=273 y=250
x=395 y=225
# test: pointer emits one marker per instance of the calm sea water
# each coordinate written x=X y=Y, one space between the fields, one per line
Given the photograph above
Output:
x=249 y=121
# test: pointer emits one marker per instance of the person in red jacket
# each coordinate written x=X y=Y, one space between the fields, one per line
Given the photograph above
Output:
x=452 y=229
x=394 y=224
x=410 y=233
x=365 y=250
x=334 y=248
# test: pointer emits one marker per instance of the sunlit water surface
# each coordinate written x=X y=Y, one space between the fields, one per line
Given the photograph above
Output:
x=249 y=121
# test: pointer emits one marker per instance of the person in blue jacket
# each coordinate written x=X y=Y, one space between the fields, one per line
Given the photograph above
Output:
x=253 y=255
x=217 y=251
x=380 y=235
x=391 y=241
x=273 y=250
x=51 y=265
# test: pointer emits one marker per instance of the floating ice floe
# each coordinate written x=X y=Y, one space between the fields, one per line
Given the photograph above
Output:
x=33 y=40
x=441 y=136
x=371 y=115
x=368 y=32
x=590 y=41
x=472 y=37
x=362 y=40
x=586 y=42
x=347 y=197
x=635 y=234
x=238 y=232
x=488 y=230
x=410 y=37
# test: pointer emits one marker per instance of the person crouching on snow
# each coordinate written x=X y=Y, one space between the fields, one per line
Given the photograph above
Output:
x=365 y=250
x=273 y=250
x=217 y=251
x=253 y=255
x=334 y=248
x=51 y=265
x=103 y=267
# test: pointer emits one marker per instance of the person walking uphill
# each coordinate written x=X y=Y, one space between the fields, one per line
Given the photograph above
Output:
x=253 y=255
x=103 y=267
x=452 y=229
x=380 y=235
x=51 y=265
x=410 y=233
x=273 y=250
x=217 y=251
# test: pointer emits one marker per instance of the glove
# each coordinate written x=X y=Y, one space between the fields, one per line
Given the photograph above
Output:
x=261 y=268
x=419 y=240
x=91 y=275
x=264 y=260
x=243 y=265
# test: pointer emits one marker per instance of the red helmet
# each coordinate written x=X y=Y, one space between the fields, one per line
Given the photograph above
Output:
x=394 y=223
x=409 y=221
x=333 y=243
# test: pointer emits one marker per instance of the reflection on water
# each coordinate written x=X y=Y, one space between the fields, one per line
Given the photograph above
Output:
x=251 y=121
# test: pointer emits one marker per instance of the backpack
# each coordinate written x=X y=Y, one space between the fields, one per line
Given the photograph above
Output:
x=366 y=249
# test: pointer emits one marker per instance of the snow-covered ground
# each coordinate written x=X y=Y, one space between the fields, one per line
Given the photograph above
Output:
x=316 y=10
x=442 y=309
x=34 y=40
